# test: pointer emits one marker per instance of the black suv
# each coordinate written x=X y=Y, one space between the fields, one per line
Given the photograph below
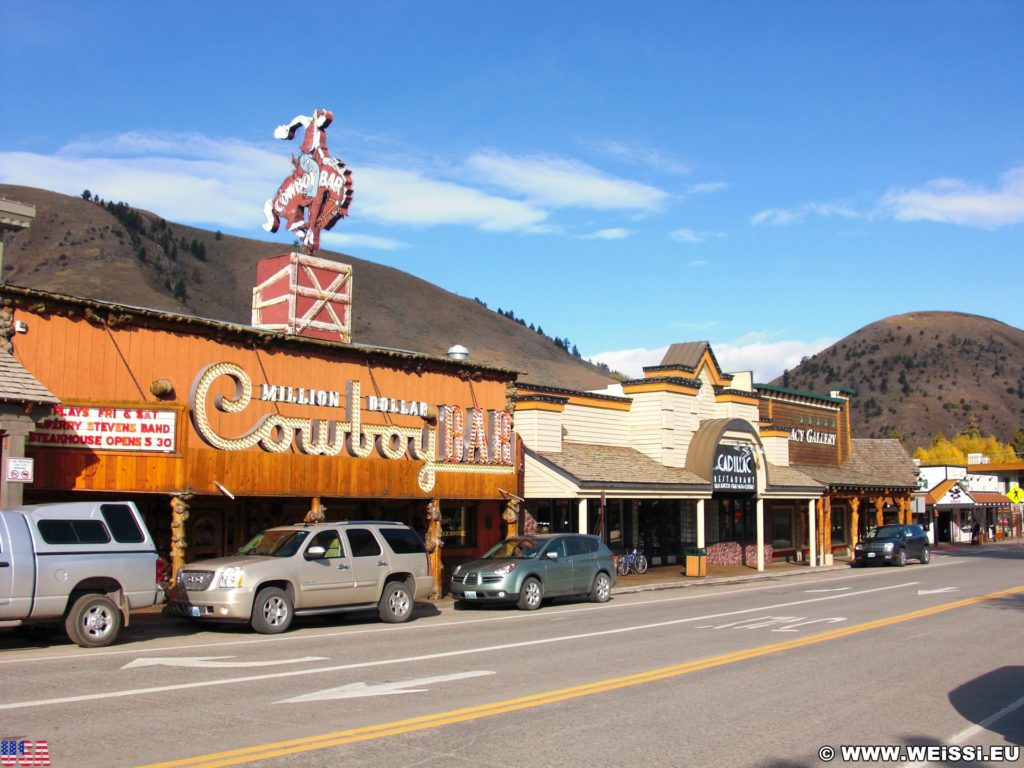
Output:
x=893 y=544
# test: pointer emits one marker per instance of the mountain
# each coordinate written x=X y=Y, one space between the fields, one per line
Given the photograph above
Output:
x=113 y=252
x=924 y=373
x=915 y=374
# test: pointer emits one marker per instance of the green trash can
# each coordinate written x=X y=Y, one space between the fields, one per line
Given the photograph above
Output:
x=696 y=561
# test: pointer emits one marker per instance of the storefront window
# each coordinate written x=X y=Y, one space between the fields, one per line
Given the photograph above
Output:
x=735 y=519
x=782 y=528
x=555 y=515
x=458 y=526
x=839 y=518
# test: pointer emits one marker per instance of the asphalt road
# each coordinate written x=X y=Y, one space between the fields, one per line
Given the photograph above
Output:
x=764 y=673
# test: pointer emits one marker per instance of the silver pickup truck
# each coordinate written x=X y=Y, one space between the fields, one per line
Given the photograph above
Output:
x=84 y=564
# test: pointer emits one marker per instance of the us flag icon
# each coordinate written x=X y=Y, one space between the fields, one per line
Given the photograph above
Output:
x=24 y=752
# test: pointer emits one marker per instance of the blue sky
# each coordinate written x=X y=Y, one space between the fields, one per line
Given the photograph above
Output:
x=767 y=176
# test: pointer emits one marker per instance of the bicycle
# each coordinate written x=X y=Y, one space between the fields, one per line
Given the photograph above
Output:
x=635 y=561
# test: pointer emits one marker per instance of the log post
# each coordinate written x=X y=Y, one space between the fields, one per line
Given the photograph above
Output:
x=179 y=545
x=434 y=545
x=879 y=505
x=854 y=522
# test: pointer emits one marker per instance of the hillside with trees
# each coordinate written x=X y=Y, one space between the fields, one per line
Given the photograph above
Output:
x=923 y=374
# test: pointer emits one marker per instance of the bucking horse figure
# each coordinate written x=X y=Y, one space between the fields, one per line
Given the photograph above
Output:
x=319 y=190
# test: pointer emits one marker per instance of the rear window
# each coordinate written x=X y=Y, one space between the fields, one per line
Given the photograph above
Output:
x=122 y=524
x=403 y=541
x=73 y=532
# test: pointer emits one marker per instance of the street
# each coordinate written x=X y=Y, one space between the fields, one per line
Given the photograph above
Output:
x=764 y=673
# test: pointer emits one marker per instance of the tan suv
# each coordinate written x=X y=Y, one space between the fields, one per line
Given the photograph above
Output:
x=306 y=569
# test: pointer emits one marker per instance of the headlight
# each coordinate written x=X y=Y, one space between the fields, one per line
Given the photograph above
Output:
x=888 y=547
x=456 y=571
x=504 y=570
x=859 y=547
x=231 y=578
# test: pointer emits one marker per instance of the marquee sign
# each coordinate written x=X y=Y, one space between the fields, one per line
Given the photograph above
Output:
x=108 y=428
x=734 y=469
x=464 y=440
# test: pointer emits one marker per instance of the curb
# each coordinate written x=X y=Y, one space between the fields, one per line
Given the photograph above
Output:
x=705 y=581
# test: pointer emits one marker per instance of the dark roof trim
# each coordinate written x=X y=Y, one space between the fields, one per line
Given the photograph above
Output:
x=798 y=393
x=124 y=314
x=529 y=389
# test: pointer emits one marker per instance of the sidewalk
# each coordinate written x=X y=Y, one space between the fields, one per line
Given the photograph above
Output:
x=672 y=576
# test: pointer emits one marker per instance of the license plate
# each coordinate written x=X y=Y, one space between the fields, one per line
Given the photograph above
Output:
x=871 y=554
x=471 y=595
x=193 y=610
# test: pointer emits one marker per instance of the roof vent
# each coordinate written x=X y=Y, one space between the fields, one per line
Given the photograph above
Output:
x=458 y=352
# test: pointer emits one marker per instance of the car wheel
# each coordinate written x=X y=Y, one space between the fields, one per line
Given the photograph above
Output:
x=271 y=612
x=602 y=589
x=94 y=621
x=396 y=603
x=926 y=556
x=901 y=558
x=531 y=595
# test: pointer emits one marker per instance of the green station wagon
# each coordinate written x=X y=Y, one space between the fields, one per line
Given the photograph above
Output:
x=526 y=569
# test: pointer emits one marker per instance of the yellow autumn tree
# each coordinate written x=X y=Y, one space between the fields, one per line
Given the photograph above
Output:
x=945 y=451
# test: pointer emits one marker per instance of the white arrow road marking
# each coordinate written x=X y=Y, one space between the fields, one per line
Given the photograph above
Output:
x=935 y=591
x=632 y=628
x=208 y=662
x=792 y=627
x=359 y=690
x=833 y=589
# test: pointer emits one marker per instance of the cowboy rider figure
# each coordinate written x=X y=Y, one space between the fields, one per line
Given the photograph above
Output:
x=312 y=154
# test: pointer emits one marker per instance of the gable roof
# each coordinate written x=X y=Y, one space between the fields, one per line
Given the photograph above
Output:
x=17 y=385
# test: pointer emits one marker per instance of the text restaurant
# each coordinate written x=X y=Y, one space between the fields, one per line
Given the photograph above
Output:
x=692 y=457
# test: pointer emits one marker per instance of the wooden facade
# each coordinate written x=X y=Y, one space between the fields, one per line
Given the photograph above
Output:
x=251 y=425
x=869 y=482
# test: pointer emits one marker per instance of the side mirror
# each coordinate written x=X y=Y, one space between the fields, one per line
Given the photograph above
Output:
x=316 y=553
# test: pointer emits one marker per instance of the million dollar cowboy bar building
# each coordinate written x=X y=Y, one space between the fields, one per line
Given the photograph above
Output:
x=234 y=428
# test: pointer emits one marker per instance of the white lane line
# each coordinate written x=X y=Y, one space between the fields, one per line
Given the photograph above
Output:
x=433 y=656
x=423 y=625
x=975 y=729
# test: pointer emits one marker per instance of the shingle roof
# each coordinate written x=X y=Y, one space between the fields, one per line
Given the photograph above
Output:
x=18 y=385
x=613 y=465
x=789 y=477
x=686 y=354
x=873 y=463
x=990 y=497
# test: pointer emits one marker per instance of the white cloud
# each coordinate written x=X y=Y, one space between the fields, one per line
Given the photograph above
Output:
x=707 y=188
x=633 y=152
x=685 y=235
x=755 y=352
x=394 y=196
x=613 y=233
x=199 y=180
x=563 y=183
x=954 y=201
x=349 y=240
x=781 y=217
